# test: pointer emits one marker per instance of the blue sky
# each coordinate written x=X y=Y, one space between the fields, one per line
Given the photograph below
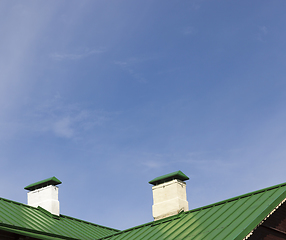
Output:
x=107 y=95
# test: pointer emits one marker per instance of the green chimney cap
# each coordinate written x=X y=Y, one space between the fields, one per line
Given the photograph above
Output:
x=49 y=181
x=168 y=177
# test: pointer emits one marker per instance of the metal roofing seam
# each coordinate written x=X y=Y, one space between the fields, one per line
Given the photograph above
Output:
x=229 y=219
x=79 y=230
x=209 y=218
x=243 y=205
x=3 y=213
x=14 y=202
x=150 y=232
x=31 y=231
x=132 y=234
x=75 y=230
x=141 y=232
x=38 y=218
x=11 y=214
x=67 y=230
x=181 y=226
x=140 y=226
x=174 y=227
x=198 y=223
x=216 y=222
x=14 y=213
x=24 y=206
x=28 y=234
x=264 y=219
x=241 y=213
x=275 y=204
x=90 y=223
x=30 y=219
x=41 y=222
x=44 y=221
x=154 y=226
x=261 y=206
x=91 y=231
x=174 y=222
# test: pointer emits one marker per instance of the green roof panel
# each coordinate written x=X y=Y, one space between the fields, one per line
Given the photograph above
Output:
x=168 y=177
x=46 y=182
x=231 y=219
x=38 y=223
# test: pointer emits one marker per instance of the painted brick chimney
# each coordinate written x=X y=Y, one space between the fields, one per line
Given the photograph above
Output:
x=45 y=194
x=169 y=195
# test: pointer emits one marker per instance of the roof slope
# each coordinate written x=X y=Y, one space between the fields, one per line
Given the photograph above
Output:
x=39 y=223
x=231 y=219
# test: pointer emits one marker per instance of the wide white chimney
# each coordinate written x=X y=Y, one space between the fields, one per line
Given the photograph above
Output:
x=45 y=194
x=169 y=195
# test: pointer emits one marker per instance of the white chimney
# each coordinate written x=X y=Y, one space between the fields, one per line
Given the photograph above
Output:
x=45 y=194
x=169 y=195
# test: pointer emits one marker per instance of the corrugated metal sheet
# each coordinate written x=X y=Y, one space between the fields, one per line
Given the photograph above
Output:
x=274 y=227
x=23 y=219
x=231 y=219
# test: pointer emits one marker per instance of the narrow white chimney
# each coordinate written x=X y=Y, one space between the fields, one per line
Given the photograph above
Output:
x=45 y=194
x=169 y=195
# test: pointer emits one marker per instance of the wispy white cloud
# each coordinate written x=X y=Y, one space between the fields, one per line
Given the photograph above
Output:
x=189 y=30
x=75 y=56
x=201 y=161
x=196 y=4
x=63 y=127
x=63 y=120
x=263 y=29
x=262 y=32
x=153 y=164
x=129 y=66
x=24 y=26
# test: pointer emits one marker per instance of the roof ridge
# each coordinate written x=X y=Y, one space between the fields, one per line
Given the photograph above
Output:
x=237 y=197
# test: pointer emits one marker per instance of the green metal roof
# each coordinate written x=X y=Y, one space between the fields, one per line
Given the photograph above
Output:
x=168 y=177
x=38 y=223
x=232 y=219
x=46 y=182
